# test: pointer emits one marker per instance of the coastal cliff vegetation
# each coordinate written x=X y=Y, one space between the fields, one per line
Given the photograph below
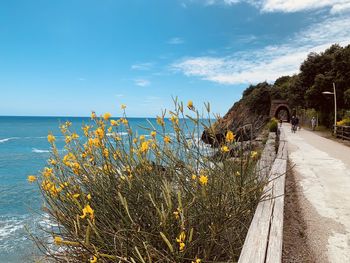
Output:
x=302 y=91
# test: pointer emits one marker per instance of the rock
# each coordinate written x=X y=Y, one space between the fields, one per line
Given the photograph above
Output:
x=246 y=118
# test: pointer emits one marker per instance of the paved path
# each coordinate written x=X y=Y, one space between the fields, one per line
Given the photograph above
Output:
x=322 y=168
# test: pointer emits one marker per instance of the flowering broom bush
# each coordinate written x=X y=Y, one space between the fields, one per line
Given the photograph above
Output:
x=157 y=197
x=344 y=122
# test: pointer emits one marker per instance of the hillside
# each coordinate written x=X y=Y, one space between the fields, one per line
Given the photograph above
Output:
x=303 y=90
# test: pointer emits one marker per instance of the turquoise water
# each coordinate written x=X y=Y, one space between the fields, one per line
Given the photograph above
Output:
x=23 y=151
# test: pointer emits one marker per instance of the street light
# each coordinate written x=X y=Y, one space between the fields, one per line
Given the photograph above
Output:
x=335 y=105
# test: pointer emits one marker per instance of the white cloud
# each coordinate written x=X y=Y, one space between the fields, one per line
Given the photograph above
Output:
x=142 y=82
x=269 y=62
x=176 y=41
x=288 y=6
x=142 y=66
x=300 y=5
x=340 y=8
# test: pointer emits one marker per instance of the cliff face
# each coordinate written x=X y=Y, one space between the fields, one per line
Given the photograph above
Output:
x=253 y=109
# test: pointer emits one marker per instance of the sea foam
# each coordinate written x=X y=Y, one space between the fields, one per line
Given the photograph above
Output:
x=35 y=150
x=8 y=139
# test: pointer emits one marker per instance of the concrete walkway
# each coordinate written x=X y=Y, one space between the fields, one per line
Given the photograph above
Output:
x=322 y=168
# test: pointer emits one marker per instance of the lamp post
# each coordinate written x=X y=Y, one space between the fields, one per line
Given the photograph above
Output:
x=335 y=105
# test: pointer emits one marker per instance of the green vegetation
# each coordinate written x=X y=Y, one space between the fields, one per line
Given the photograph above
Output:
x=304 y=90
x=273 y=125
x=153 y=198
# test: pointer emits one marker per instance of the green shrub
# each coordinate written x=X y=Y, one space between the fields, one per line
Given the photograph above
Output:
x=273 y=125
x=146 y=200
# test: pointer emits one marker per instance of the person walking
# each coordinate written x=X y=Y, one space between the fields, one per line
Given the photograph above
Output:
x=297 y=123
x=313 y=123
x=293 y=122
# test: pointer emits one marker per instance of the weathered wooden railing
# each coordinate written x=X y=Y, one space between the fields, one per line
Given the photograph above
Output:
x=263 y=242
x=343 y=132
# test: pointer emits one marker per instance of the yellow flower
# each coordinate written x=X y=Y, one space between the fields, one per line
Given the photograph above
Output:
x=198 y=260
x=76 y=168
x=58 y=240
x=153 y=134
x=194 y=177
x=114 y=123
x=123 y=106
x=54 y=191
x=190 y=105
x=31 y=178
x=106 y=116
x=182 y=246
x=99 y=132
x=53 y=162
x=93 y=142
x=203 y=180
x=142 y=137
x=167 y=139
x=51 y=138
x=88 y=196
x=105 y=152
x=117 y=155
x=47 y=172
x=176 y=214
x=225 y=149
x=253 y=154
x=68 y=139
x=144 y=147
x=174 y=119
x=76 y=195
x=124 y=121
x=93 y=115
x=230 y=137
x=86 y=130
x=238 y=173
x=46 y=185
x=160 y=121
x=93 y=259
x=181 y=238
x=88 y=210
x=134 y=140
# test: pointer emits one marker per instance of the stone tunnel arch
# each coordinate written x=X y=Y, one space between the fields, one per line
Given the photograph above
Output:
x=278 y=107
x=280 y=110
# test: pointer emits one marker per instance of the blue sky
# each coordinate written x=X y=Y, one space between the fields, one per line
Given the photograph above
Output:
x=68 y=57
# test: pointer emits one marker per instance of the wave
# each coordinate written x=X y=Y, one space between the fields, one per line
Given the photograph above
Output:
x=8 y=139
x=117 y=133
x=9 y=226
x=35 y=150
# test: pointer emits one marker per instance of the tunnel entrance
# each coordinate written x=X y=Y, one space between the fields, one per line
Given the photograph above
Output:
x=280 y=110
x=282 y=113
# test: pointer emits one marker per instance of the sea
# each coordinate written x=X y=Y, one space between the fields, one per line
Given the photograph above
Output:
x=24 y=151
